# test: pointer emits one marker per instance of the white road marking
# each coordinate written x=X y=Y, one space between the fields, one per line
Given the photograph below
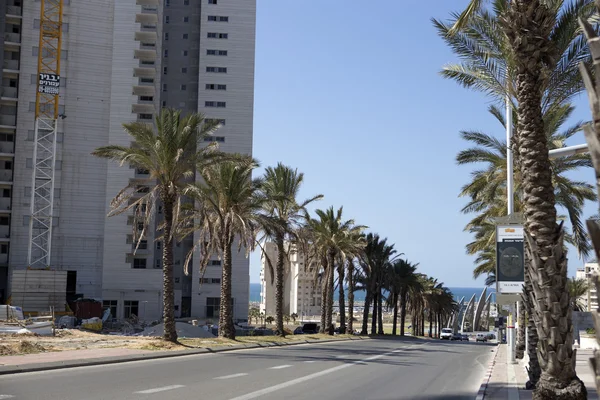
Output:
x=344 y=356
x=231 y=376
x=310 y=361
x=280 y=367
x=6 y=396
x=271 y=389
x=160 y=389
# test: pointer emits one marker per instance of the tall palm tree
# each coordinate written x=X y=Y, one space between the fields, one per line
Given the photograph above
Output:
x=403 y=282
x=228 y=209
x=280 y=187
x=332 y=238
x=577 y=288
x=377 y=255
x=529 y=25
x=353 y=247
x=170 y=154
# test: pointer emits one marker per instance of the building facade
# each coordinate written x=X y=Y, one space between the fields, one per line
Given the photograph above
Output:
x=121 y=61
x=590 y=299
x=301 y=294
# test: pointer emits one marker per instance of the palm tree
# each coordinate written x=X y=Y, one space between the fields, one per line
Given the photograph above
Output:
x=228 y=209
x=487 y=188
x=169 y=155
x=403 y=281
x=529 y=25
x=577 y=288
x=488 y=60
x=332 y=238
x=377 y=255
x=280 y=187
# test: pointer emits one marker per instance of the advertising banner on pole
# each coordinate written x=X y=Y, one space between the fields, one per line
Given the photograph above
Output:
x=510 y=259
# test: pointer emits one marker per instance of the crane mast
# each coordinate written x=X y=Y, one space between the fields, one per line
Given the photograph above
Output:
x=46 y=121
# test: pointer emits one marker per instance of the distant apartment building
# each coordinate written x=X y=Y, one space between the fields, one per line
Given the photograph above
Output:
x=121 y=61
x=301 y=294
x=590 y=299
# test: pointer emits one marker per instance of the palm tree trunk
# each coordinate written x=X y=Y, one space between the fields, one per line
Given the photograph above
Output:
x=422 y=320
x=528 y=26
x=520 y=349
x=324 y=295
x=374 y=318
x=403 y=297
x=329 y=313
x=226 y=328
x=365 y=322
x=380 y=313
x=342 y=301
x=429 y=318
x=170 y=333
x=395 y=314
x=279 y=287
x=351 y=298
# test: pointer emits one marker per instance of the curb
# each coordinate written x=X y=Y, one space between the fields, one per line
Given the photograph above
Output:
x=486 y=377
x=49 y=366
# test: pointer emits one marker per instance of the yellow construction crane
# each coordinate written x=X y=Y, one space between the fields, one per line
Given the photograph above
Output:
x=46 y=121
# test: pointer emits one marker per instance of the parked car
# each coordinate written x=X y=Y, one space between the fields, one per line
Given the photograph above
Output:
x=446 y=334
x=481 y=337
x=456 y=336
x=464 y=337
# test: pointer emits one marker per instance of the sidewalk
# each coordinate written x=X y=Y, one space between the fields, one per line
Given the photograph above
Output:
x=507 y=380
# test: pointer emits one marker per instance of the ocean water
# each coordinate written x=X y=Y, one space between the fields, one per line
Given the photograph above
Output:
x=458 y=292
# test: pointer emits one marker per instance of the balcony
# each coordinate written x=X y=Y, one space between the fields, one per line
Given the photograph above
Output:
x=148 y=28
x=148 y=37
x=12 y=38
x=143 y=108
x=6 y=175
x=5 y=205
x=8 y=95
x=147 y=2
x=9 y=121
x=144 y=72
x=10 y=65
x=146 y=18
x=7 y=149
x=145 y=54
x=143 y=89
x=14 y=15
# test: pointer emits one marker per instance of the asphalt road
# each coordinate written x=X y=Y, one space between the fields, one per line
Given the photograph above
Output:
x=366 y=369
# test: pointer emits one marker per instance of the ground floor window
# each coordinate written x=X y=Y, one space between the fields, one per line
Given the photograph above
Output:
x=131 y=308
x=112 y=306
x=212 y=307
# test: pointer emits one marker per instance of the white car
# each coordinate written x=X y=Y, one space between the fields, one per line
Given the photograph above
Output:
x=481 y=337
x=446 y=334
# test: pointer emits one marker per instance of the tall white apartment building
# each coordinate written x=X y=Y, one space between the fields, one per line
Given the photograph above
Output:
x=590 y=299
x=301 y=295
x=121 y=61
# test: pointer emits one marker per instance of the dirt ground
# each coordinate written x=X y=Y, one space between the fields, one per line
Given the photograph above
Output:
x=74 y=339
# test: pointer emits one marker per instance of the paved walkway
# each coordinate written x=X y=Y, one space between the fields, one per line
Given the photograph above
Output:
x=507 y=381
x=69 y=355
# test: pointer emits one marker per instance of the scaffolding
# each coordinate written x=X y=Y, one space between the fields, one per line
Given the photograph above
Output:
x=46 y=121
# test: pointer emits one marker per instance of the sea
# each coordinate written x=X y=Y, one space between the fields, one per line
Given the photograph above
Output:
x=458 y=292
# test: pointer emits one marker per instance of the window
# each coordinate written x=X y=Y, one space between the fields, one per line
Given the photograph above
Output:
x=164 y=87
x=184 y=53
x=219 y=139
x=143 y=246
x=8 y=165
x=212 y=1
x=212 y=304
x=215 y=262
x=145 y=117
x=157 y=264
x=143 y=189
x=146 y=98
x=211 y=52
x=166 y=19
x=186 y=19
x=147 y=80
x=165 y=70
x=166 y=35
x=203 y=280
x=221 y=87
x=139 y=263
x=218 y=104
x=212 y=18
x=166 y=53
x=7 y=137
x=215 y=35
x=176 y=280
x=131 y=308
x=167 y=3
x=184 y=70
x=223 y=19
x=6 y=193
x=112 y=306
x=183 y=87
x=185 y=36
x=140 y=226
x=211 y=35
x=4 y=249
x=186 y=2
x=4 y=221
x=215 y=281
x=220 y=70
x=158 y=245
x=214 y=121
x=222 y=52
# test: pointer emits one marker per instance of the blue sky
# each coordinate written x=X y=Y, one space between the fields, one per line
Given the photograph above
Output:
x=349 y=93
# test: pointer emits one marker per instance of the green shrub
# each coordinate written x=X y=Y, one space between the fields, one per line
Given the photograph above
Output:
x=590 y=331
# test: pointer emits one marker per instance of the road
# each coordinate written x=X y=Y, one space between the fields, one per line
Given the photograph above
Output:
x=366 y=369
